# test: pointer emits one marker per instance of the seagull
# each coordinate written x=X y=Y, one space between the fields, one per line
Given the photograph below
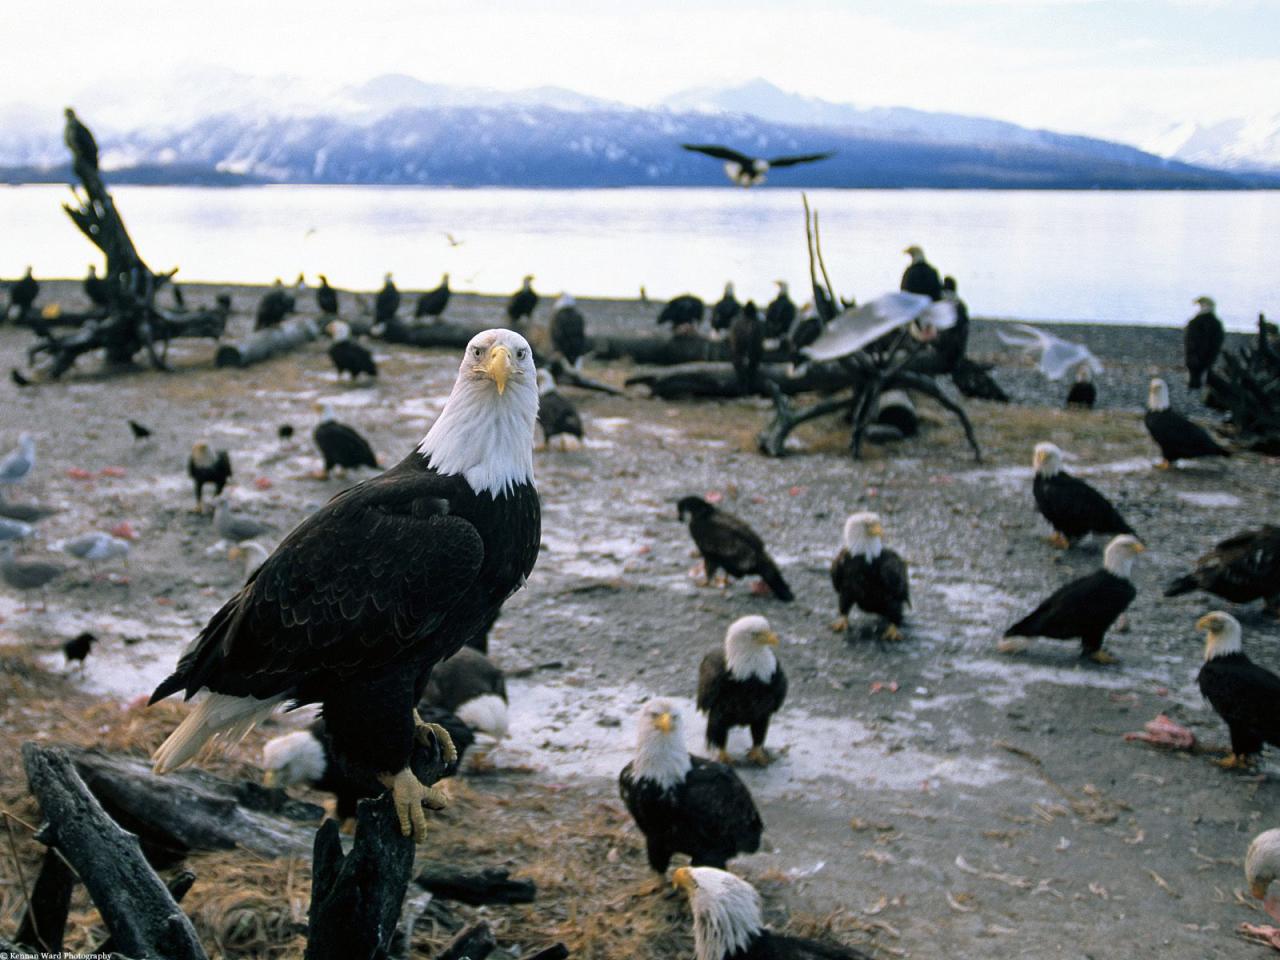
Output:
x=1057 y=356
x=95 y=547
x=24 y=575
x=14 y=529
x=18 y=462
x=748 y=171
x=233 y=526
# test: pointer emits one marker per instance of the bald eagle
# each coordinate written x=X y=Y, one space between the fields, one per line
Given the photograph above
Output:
x=748 y=171
x=522 y=302
x=204 y=467
x=728 y=925
x=557 y=416
x=326 y=297
x=275 y=305
x=727 y=543
x=725 y=309
x=1262 y=869
x=433 y=302
x=347 y=355
x=1085 y=608
x=1083 y=392
x=475 y=688
x=780 y=314
x=685 y=310
x=387 y=302
x=684 y=804
x=1176 y=436
x=1072 y=507
x=921 y=276
x=746 y=346
x=741 y=684
x=23 y=293
x=1202 y=341
x=341 y=445
x=390 y=577
x=79 y=140
x=96 y=289
x=1243 y=694
x=869 y=575
x=1241 y=569
x=568 y=330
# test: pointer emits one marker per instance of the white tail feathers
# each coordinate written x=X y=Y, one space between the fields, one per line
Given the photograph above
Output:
x=485 y=714
x=218 y=716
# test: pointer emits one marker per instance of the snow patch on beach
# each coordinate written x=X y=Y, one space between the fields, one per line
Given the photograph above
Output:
x=1211 y=499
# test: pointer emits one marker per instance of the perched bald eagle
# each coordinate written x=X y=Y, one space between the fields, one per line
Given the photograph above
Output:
x=23 y=293
x=433 y=302
x=306 y=756
x=1262 y=869
x=727 y=543
x=568 y=330
x=1176 y=436
x=725 y=309
x=1241 y=569
x=1083 y=392
x=347 y=355
x=1072 y=507
x=341 y=445
x=96 y=289
x=748 y=171
x=387 y=302
x=326 y=297
x=780 y=314
x=390 y=577
x=79 y=140
x=728 y=925
x=921 y=276
x=523 y=301
x=684 y=804
x=685 y=310
x=869 y=575
x=1085 y=608
x=204 y=466
x=1202 y=341
x=742 y=685
x=557 y=416
x=1244 y=694
x=746 y=346
x=475 y=688
x=276 y=304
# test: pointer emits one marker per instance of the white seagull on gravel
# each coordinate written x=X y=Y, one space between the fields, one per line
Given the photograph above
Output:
x=95 y=547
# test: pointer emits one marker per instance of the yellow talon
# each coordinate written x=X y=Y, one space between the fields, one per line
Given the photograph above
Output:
x=839 y=624
x=1101 y=656
x=408 y=794
x=724 y=758
x=1059 y=540
x=1235 y=761
x=432 y=733
x=892 y=633
x=759 y=756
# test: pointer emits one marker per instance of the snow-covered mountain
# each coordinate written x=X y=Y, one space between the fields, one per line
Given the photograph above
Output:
x=1244 y=143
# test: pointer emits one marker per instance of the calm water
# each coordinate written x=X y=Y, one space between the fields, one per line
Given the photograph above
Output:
x=1116 y=257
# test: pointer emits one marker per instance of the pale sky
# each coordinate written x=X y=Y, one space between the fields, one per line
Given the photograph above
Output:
x=1110 y=68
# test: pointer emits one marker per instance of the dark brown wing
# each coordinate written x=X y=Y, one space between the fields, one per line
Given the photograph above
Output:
x=720 y=153
x=791 y=161
x=711 y=675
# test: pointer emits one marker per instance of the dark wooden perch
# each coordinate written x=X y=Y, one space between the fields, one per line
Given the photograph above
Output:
x=1247 y=387
x=133 y=902
x=267 y=343
x=475 y=887
x=474 y=943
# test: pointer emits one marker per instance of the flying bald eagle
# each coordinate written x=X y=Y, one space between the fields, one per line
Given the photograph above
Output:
x=387 y=579
x=727 y=543
x=568 y=330
x=920 y=276
x=341 y=445
x=347 y=355
x=684 y=804
x=79 y=140
x=1176 y=436
x=725 y=310
x=1244 y=694
x=1072 y=507
x=1202 y=341
x=870 y=576
x=387 y=302
x=204 y=466
x=433 y=302
x=742 y=684
x=780 y=314
x=1262 y=869
x=522 y=302
x=748 y=171
x=556 y=415
x=1083 y=392
x=307 y=756
x=728 y=925
x=1241 y=569
x=1085 y=608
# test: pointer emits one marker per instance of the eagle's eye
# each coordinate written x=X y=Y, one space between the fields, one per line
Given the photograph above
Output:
x=520 y=353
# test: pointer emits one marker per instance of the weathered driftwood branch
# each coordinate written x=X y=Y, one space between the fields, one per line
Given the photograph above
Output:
x=557 y=951
x=474 y=887
x=474 y=943
x=1247 y=387
x=134 y=904
x=716 y=380
x=267 y=343
x=45 y=922
x=179 y=885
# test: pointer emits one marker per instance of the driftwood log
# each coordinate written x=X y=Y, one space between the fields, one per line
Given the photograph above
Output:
x=135 y=906
x=1247 y=387
x=719 y=381
x=475 y=887
x=557 y=951
x=267 y=343
x=474 y=943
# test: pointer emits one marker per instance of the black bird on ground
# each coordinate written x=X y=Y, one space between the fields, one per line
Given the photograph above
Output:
x=1243 y=694
x=1086 y=608
x=341 y=445
x=568 y=330
x=96 y=289
x=347 y=355
x=139 y=431
x=748 y=171
x=433 y=302
x=952 y=343
x=23 y=293
x=921 y=276
x=1083 y=392
x=1202 y=341
x=522 y=302
x=18 y=379
x=741 y=684
x=1072 y=507
x=746 y=346
x=275 y=305
x=204 y=466
x=868 y=575
x=725 y=310
x=727 y=543
x=681 y=803
x=685 y=310
x=285 y=431
x=387 y=302
x=1176 y=436
x=77 y=648
x=780 y=314
x=1240 y=569
x=557 y=416
x=326 y=297
x=79 y=140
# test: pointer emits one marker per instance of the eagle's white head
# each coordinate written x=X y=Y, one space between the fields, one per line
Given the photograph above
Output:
x=728 y=288
x=748 y=648
x=338 y=331
x=1047 y=459
x=546 y=382
x=661 y=752
x=862 y=533
x=485 y=431
x=1120 y=553
x=1262 y=869
x=1084 y=373
x=782 y=287
x=1157 y=395
x=915 y=253
x=564 y=300
x=1221 y=634
x=726 y=911
x=1205 y=304
x=296 y=757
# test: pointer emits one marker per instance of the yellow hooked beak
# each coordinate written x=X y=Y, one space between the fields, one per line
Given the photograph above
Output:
x=499 y=366
x=664 y=722
x=683 y=878
x=1258 y=888
x=876 y=530
x=1205 y=622
x=1139 y=548
x=270 y=779
x=769 y=639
